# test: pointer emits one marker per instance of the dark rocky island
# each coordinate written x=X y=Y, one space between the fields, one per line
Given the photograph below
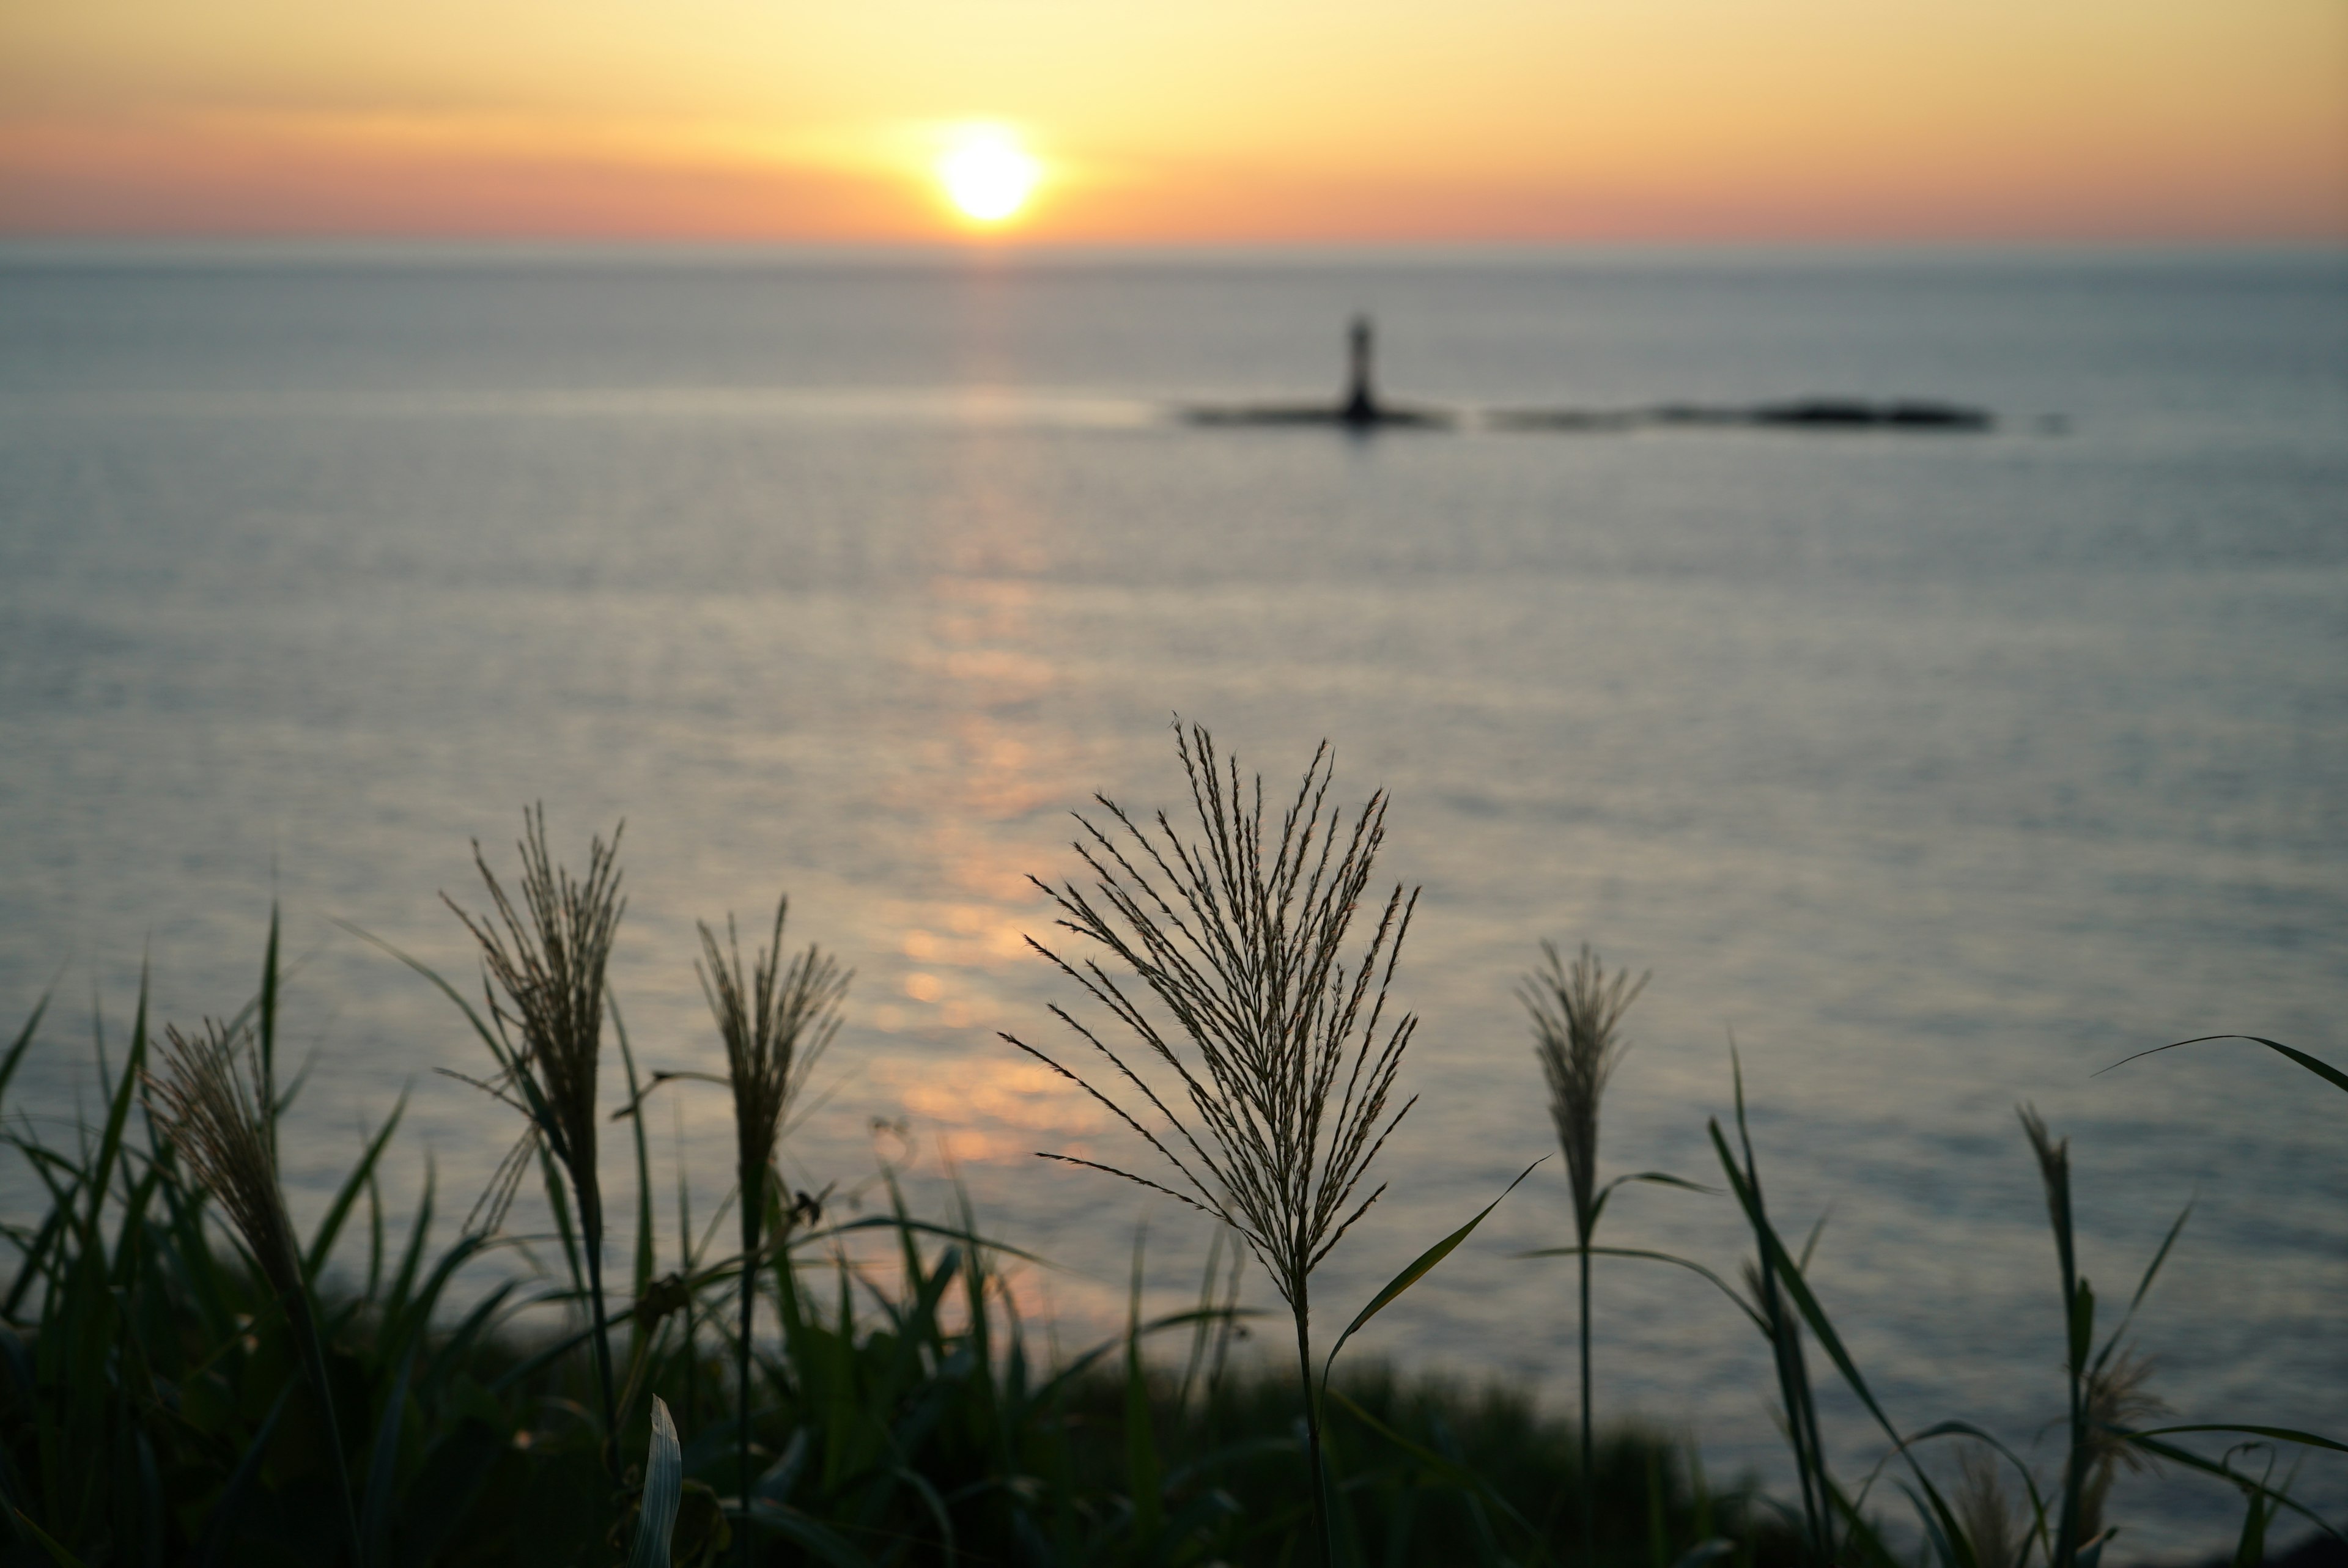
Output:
x=1362 y=411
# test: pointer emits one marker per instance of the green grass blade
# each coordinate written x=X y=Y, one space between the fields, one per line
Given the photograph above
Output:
x=374 y=1238
x=57 y=1554
x=645 y=1260
x=2191 y=1460
x=1722 y=1285
x=453 y=1350
x=382 y=1465
x=16 y=1046
x=1657 y=1178
x=1790 y=1278
x=2324 y=1070
x=2281 y=1434
x=269 y=1029
x=1143 y=1481
x=664 y=1490
x=2251 y=1549
x=540 y=1114
x=2143 y=1286
x=118 y=1116
x=323 y=1243
x=921 y=1227
x=559 y=1201
x=415 y=1321
x=411 y=1257
x=1420 y=1267
x=480 y=1026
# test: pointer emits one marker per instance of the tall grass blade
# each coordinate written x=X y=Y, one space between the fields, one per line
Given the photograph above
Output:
x=644 y=1257
x=2321 y=1069
x=1144 y=1484
x=58 y=1554
x=2281 y=1434
x=2188 y=1459
x=268 y=1003
x=1421 y=1266
x=16 y=1046
x=664 y=1490
x=118 y=1114
x=382 y=1465
x=2143 y=1286
x=322 y=1242
x=2250 y=1548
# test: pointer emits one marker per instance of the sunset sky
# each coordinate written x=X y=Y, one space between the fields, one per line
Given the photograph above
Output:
x=1207 y=120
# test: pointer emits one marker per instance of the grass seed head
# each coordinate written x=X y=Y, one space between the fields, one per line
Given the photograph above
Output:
x=543 y=972
x=1577 y=1012
x=1985 y=1512
x=213 y=1101
x=2117 y=1402
x=777 y=1020
x=2054 y=1161
x=1251 y=1049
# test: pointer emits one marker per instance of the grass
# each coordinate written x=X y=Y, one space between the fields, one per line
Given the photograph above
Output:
x=543 y=981
x=1274 y=1068
x=776 y=1023
x=1577 y=1015
x=153 y=1408
x=184 y=1378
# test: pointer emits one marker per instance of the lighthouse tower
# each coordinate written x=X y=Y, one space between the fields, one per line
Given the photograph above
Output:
x=1361 y=398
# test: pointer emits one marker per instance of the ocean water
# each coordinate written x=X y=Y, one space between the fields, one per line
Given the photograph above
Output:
x=1939 y=772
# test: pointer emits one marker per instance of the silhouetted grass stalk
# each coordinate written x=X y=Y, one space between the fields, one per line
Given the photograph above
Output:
x=1278 y=1046
x=2079 y=1328
x=1576 y=1014
x=544 y=979
x=776 y=1022
x=214 y=1099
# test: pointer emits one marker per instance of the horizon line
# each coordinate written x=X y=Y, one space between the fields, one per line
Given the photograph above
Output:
x=424 y=247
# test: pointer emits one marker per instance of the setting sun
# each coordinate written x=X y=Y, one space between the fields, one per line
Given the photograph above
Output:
x=987 y=174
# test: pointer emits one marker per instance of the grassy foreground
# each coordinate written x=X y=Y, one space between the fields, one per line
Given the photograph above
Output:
x=153 y=1409
x=185 y=1379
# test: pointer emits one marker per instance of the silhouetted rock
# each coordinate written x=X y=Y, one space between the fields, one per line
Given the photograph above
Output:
x=1362 y=410
x=1803 y=414
x=1846 y=414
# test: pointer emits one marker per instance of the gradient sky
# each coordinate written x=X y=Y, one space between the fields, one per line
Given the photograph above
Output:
x=1205 y=121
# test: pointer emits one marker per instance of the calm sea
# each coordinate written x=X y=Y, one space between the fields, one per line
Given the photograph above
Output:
x=1939 y=771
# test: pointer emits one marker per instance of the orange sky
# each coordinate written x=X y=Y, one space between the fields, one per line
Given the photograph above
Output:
x=1207 y=120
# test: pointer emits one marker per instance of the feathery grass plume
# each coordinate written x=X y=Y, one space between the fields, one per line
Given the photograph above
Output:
x=1277 y=1047
x=776 y=1021
x=215 y=1101
x=1985 y=1511
x=2117 y=1402
x=1577 y=1014
x=543 y=974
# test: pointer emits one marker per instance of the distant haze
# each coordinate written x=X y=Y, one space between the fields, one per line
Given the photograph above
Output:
x=1216 y=120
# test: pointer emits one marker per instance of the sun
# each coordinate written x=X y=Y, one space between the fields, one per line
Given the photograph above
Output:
x=986 y=174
